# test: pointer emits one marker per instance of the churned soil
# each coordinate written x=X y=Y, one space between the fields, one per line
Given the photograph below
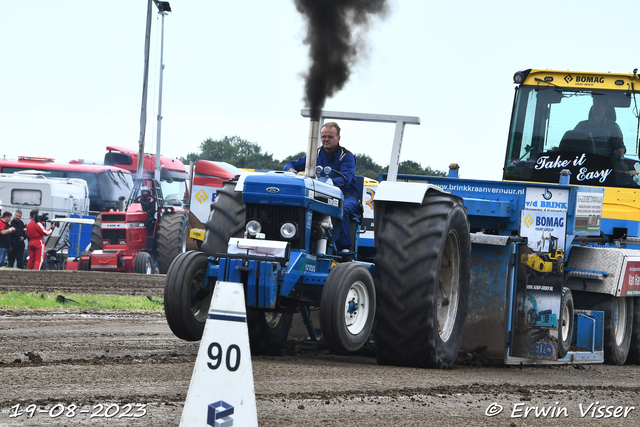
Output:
x=128 y=369
x=94 y=282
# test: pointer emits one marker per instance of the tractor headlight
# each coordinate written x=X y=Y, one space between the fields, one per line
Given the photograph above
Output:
x=288 y=230
x=253 y=227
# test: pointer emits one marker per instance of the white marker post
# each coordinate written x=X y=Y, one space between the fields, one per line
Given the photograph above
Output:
x=221 y=392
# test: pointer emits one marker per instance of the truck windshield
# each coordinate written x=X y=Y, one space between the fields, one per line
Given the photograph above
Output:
x=109 y=187
x=591 y=132
x=174 y=192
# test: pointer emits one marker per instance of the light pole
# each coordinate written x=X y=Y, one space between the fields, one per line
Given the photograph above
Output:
x=163 y=9
x=143 y=109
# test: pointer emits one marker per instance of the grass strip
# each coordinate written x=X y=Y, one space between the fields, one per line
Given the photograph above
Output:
x=79 y=302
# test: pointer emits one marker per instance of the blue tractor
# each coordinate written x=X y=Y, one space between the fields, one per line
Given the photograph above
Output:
x=275 y=234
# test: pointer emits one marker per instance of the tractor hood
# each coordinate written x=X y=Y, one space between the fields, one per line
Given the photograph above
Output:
x=289 y=189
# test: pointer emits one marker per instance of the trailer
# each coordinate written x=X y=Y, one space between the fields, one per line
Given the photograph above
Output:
x=561 y=178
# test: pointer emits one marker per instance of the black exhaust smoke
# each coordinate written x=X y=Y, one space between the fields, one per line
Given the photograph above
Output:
x=334 y=46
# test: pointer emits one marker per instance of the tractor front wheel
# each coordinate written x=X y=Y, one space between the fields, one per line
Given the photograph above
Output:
x=142 y=263
x=347 y=307
x=268 y=331
x=186 y=299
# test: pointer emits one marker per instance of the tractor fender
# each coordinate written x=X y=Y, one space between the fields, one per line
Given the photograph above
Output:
x=245 y=174
x=407 y=192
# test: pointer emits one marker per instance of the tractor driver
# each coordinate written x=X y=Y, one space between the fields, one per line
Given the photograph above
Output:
x=604 y=131
x=147 y=203
x=338 y=158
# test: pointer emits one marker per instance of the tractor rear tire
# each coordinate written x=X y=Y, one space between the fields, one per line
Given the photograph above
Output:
x=172 y=238
x=268 y=332
x=565 y=330
x=186 y=301
x=634 y=349
x=142 y=263
x=96 y=234
x=618 y=321
x=226 y=220
x=347 y=307
x=422 y=279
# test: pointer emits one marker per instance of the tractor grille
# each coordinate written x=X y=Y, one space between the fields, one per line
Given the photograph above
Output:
x=272 y=217
x=113 y=236
x=114 y=218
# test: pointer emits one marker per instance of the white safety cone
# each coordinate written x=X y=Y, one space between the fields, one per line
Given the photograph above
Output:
x=221 y=392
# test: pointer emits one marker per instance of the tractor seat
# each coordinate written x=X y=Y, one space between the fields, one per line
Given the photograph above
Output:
x=574 y=140
x=356 y=218
x=360 y=185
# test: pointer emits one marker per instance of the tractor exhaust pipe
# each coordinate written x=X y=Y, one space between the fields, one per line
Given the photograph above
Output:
x=312 y=149
x=121 y=204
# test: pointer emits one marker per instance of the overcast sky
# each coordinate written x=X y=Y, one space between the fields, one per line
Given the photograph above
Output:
x=71 y=74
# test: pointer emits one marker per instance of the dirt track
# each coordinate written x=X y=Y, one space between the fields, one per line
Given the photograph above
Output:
x=80 y=281
x=101 y=358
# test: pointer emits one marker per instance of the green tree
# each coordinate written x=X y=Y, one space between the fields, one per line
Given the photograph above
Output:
x=293 y=157
x=236 y=151
x=245 y=154
x=409 y=167
x=365 y=166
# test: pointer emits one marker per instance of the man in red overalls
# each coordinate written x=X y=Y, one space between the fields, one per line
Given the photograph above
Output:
x=36 y=232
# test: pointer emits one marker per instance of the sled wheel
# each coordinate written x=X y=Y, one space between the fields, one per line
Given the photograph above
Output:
x=268 y=332
x=566 y=323
x=618 y=320
x=347 y=307
x=422 y=278
x=634 y=348
x=186 y=301
x=142 y=263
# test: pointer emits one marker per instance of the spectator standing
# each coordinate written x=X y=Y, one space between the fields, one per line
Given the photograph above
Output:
x=16 y=254
x=36 y=232
x=5 y=238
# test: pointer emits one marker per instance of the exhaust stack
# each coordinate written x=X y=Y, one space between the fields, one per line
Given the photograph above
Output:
x=312 y=149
